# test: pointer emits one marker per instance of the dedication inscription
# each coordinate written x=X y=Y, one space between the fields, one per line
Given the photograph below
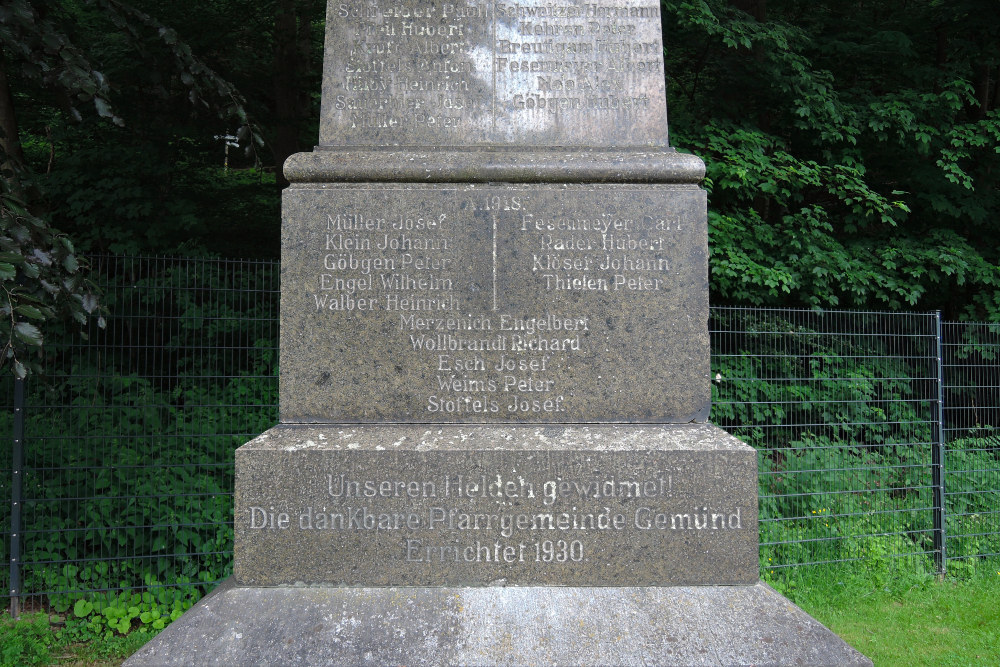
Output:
x=342 y=506
x=572 y=304
x=566 y=73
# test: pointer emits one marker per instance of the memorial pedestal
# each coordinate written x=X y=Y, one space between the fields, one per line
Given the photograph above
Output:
x=494 y=381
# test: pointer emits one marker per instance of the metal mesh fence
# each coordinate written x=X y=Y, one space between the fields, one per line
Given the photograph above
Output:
x=6 y=475
x=971 y=362
x=841 y=407
x=130 y=434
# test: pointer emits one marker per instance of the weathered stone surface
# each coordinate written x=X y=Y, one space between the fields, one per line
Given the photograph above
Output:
x=707 y=625
x=493 y=164
x=478 y=417
x=394 y=506
x=466 y=303
x=481 y=73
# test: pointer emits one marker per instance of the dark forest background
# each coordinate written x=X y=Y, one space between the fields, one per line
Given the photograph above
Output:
x=853 y=147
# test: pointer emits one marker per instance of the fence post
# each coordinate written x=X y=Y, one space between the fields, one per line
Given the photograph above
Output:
x=938 y=460
x=16 y=497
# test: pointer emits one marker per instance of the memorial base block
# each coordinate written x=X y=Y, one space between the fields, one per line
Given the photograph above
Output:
x=703 y=625
x=465 y=505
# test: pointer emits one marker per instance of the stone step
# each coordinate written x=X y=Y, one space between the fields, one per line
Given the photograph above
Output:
x=705 y=625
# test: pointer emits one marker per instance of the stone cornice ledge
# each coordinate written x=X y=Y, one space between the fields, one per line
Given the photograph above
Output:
x=486 y=165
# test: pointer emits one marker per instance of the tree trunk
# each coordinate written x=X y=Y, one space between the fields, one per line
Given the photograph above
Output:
x=755 y=8
x=940 y=52
x=983 y=90
x=12 y=157
x=996 y=91
x=758 y=10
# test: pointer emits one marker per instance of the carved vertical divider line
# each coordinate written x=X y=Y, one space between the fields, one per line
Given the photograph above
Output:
x=493 y=21
x=494 y=262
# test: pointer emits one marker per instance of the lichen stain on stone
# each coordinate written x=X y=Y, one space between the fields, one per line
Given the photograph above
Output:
x=308 y=444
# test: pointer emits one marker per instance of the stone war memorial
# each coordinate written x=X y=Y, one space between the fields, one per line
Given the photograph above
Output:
x=493 y=445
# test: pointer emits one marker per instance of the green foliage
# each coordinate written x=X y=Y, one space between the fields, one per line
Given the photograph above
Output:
x=154 y=183
x=171 y=512
x=114 y=198
x=853 y=154
x=828 y=504
x=49 y=57
x=28 y=641
x=40 y=41
x=973 y=503
x=842 y=419
x=94 y=627
x=140 y=458
x=118 y=204
x=823 y=384
x=103 y=616
x=86 y=88
x=41 y=282
x=64 y=59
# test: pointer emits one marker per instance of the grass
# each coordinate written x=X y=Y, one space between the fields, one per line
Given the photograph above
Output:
x=904 y=618
x=41 y=639
x=953 y=623
x=892 y=613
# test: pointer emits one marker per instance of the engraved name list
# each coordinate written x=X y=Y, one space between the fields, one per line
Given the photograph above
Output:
x=485 y=296
x=486 y=71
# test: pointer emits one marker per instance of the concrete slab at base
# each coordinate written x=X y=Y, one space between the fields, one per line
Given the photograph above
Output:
x=705 y=625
